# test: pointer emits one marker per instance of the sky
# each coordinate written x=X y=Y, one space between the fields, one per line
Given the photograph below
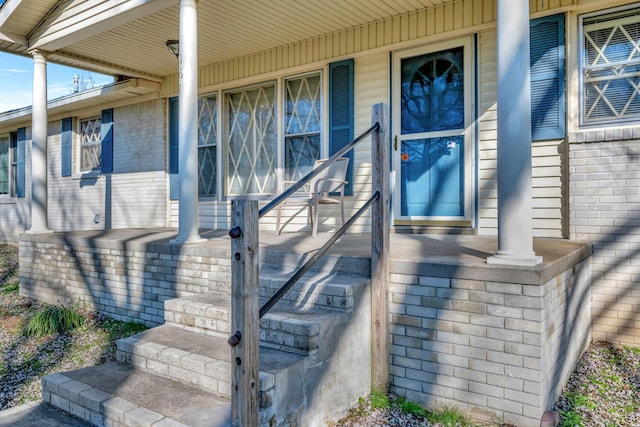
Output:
x=16 y=80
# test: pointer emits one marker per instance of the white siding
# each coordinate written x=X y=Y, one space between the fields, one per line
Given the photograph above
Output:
x=549 y=159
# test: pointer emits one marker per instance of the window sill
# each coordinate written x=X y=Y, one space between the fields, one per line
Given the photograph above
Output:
x=605 y=134
x=8 y=200
x=87 y=175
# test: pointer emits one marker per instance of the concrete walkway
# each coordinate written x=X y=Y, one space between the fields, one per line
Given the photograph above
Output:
x=37 y=414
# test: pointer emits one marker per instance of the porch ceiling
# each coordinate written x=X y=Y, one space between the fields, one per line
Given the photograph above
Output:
x=133 y=43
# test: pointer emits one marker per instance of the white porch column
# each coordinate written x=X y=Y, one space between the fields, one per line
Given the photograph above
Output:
x=188 y=125
x=515 y=222
x=39 y=123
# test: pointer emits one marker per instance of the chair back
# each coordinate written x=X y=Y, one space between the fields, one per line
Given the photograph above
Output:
x=337 y=170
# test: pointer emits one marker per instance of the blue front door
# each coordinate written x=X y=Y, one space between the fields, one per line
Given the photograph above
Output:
x=431 y=134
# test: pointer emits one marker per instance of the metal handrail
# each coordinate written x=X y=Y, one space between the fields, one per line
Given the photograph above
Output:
x=236 y=231
x=307 y=265
x=315 y=172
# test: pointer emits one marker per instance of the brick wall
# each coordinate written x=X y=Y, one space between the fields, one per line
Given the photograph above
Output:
x=495 y=349
x=125 y=280
x=134 y=195
x=605 y=210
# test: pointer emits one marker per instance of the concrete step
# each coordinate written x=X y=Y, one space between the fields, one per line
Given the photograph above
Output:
x=197 y=359
x=117 y=395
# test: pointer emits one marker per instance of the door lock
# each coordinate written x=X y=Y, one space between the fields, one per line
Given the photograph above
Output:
x=395 y=143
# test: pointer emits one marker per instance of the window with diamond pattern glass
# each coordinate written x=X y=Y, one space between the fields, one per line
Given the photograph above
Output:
x=207 y=145
x=611 y=67
x=302 y=125
x=90 y=144
x=251 y=137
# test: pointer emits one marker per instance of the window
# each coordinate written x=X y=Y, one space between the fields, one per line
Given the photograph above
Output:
x=90 y=144
x=302 y=125
x=207 y=145
x=5 y=164
x=610 y=67
x=13 y=155
x=251 y=138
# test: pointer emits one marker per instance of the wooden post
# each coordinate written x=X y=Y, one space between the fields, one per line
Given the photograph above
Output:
x=380 y=250
x=244 y=313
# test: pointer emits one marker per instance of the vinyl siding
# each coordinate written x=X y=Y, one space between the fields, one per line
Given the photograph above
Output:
x=549 y=159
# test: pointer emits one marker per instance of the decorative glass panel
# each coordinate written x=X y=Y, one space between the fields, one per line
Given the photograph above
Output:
x=251 y=133
x=302 y=125
x=207 y=143
x=432 y=92
x=90 y=143
x=611 y=66
x=4 y=165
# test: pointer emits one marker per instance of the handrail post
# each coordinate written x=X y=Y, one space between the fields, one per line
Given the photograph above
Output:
x=244 y=313
x=380 y=250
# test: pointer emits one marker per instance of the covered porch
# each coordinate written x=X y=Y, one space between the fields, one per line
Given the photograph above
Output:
x=491 y=339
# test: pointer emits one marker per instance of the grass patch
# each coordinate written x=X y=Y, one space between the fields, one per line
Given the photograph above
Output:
x=9 y=288
x=411 y=411
x=52 y=319
x=118 y=329
x=570 y=419
x=449 y=417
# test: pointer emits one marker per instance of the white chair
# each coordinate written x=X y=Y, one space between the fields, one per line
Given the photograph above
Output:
x=331 y=180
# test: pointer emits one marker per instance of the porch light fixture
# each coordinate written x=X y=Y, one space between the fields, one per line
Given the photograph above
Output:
x=174 y=47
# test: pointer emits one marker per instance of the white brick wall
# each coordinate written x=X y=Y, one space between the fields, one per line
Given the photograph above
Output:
x=134 y=195
x=129 y=284
x=497 y=350
x=605 y=209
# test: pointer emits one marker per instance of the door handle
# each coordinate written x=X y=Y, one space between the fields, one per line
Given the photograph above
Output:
x=395 y=143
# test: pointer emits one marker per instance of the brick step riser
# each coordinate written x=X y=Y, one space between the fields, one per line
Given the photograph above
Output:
x=328 y=263
x=100 y=408
x=97 y=407
x=209 y=374
x=283 y=334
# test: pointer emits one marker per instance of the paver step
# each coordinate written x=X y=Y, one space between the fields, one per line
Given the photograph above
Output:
x=315 y=288
x=285 y=327
x=117 y=395
x=208 y=312
x=197 y=359
x=328 y=263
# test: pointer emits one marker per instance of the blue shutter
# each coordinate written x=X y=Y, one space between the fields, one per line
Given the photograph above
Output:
x=547 y=78
x=341 y=126
x=106 y=132
x=66 y=146
x=173 y=148
x=20 y=162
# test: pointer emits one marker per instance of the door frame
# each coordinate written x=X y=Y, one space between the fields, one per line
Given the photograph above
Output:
x=469 y=133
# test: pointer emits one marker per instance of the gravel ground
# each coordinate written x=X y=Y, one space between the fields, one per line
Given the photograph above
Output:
x=24 y=361
x=603 y=391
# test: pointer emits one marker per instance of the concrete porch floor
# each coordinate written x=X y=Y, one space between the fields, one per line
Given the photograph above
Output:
x=453 y=256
